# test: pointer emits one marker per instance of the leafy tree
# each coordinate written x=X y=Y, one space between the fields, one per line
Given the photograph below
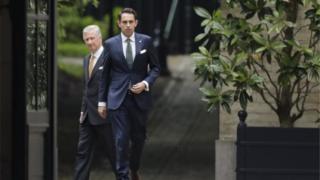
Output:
x=259 y=50
x=71 y=21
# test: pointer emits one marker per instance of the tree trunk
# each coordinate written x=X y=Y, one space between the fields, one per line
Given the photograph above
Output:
x=286 y=123
x=284 y=117
x=285 y=107
x=285 y=104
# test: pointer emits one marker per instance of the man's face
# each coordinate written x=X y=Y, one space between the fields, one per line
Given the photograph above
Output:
x=127 y=24
x=92 y=40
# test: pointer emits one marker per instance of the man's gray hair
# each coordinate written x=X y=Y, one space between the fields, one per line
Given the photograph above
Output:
x=92 y=28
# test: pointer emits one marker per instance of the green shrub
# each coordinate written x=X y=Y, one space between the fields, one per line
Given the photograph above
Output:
x=72 y=49
x=260 y=50
x=72 y=69
x=71 y=23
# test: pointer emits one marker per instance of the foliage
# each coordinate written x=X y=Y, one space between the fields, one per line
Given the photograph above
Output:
x=71 y=23
x=116 y=12
x=260 y=50
x=72 y=69
x=72 y=49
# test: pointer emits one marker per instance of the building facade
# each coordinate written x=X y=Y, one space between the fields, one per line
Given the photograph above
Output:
x=27 y=90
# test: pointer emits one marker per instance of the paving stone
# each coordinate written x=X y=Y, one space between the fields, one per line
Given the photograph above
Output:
x=181 y=133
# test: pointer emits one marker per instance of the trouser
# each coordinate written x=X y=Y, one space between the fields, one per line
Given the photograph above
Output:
x=88 y=134
x=128 y=123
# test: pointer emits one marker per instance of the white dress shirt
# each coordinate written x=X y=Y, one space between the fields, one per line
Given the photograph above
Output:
x=132 y=43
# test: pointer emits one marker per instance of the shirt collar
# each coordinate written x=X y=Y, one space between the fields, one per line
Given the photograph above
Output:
x=98 y=52
x=124 y=38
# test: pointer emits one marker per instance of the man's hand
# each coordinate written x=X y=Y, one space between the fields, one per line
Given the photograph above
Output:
x=102 y=111
x=138 y=88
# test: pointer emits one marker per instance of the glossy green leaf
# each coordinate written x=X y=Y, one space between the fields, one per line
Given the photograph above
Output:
x=202 y=12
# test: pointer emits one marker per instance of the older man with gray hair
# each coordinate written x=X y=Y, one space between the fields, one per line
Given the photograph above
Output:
x=91 y=125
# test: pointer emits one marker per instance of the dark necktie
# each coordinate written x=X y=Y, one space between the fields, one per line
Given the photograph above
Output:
x=129 y=56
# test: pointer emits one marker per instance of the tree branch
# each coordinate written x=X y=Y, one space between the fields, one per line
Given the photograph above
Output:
x=265 y=87
x=313 y=109
x=262 y=67
x=300 y=28
x=294 y=84
x=267 y=101
x=302 y=104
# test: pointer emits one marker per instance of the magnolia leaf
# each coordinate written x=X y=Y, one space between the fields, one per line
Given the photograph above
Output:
x=226 y=107
x=202 y=12
x=211 y=107
x=243 y=100
x=234 y=40
x=205 y=22
x=241 y=57
x=207 y=29
x=200 y=37
x=257 y=79
x=313 y=75
x=278 y=46
x=276 y=28
x=198 y=56
x=205 y=91
x=261 y=49
x=228 y=92
x=258 y=38
x=217 y=25
x=240 y=60
x=217 y=13
x=307 y=51
x=204 y=51
x=217 y=68
x=306 y=2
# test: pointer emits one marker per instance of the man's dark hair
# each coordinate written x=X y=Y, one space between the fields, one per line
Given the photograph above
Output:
x=129 y=11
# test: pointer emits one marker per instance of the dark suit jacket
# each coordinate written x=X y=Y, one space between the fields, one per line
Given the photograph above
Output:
x=117 y=75
x=91 y=90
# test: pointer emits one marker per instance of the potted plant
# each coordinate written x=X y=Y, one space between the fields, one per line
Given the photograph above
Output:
x=259 y=50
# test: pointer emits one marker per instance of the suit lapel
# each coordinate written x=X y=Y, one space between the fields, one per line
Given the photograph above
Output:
x=138 y=45
x=86 y=69
x=119 y=49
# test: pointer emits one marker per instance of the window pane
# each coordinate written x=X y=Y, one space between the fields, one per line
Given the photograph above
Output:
x=42 y=69
x=31 y=66
x=31 y=6
x=37 y=65
x=43 y=7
